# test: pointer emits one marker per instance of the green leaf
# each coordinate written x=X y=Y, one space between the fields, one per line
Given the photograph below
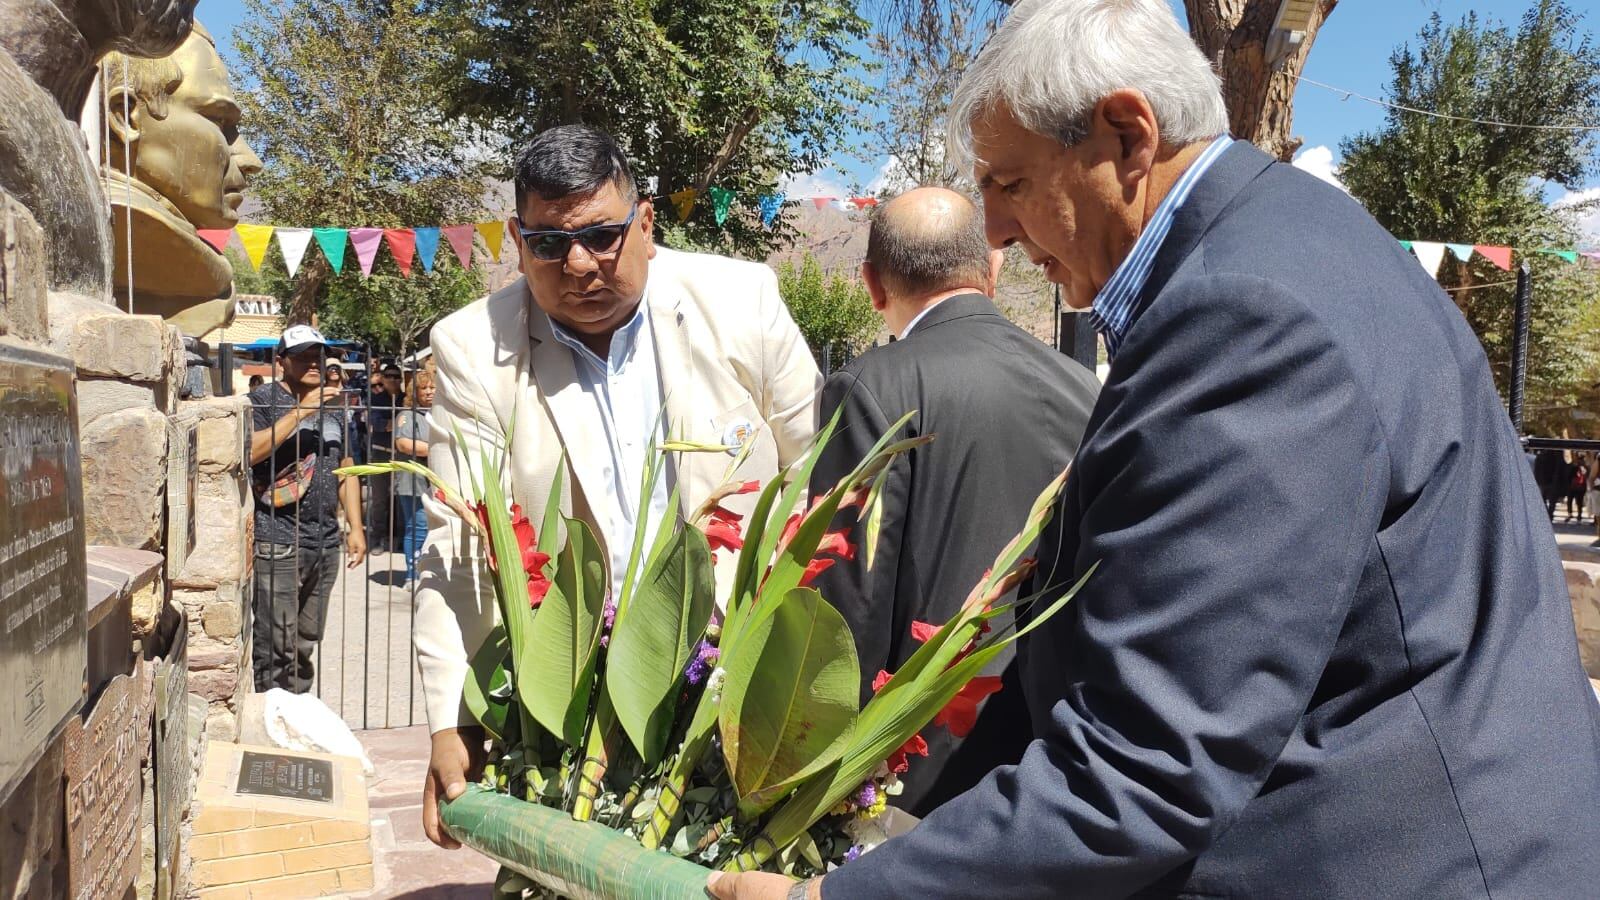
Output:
x=789 y=700
x=555 y=665
x=486 y=677
x=653 y=643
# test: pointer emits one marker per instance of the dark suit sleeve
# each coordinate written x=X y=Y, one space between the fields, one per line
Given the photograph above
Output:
x=1231 y=495
x=865 y=598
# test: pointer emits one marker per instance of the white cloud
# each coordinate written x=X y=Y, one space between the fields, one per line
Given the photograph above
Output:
x=814 y=184
x=1318 y=161
x=1587 y=220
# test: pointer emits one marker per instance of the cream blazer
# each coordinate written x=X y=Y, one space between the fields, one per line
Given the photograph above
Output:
x=729 y=356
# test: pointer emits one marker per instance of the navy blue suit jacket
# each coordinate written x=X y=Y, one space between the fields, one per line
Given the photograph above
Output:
x=1328 y=651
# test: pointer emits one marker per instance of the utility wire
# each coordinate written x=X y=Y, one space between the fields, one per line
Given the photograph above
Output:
x=1439 y=115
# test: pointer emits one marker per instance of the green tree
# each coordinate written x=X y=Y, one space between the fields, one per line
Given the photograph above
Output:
x=1449 y=179
x=831 y=309
x=342 y=109
x=727 y=94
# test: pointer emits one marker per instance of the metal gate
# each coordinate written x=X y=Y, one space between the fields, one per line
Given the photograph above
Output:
x=350 y=640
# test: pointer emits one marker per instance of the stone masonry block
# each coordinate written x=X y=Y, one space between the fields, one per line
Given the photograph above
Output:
x=173 y=364
x=215 y=684
x=209 y=872
x=101 y=396
x=1583 y=588
x=206 y=652
x=122 y=346
x=24 y=285
x=268 y=840
x=224 y=431
x=331 y=856
x=221 y=553
x=125 y=478
x=221 y=619
x=356 y=878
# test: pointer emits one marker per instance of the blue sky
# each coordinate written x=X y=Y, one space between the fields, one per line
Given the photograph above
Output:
x=1352 y=51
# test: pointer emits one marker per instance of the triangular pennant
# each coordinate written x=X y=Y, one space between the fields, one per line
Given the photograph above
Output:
x=403 y=246
x=863 y=202
x=1405 y=245
x=366 y=241
x=1462 y=252
x=820 y=202
x=292 y=243
x=255 y=239
x=770 y=205
x=216 y=237
x=427 y=247
x=492 y=233
x=1429 y=254
x=721 y=202
x=460 y=238
x=1568 y=255
x=1500 y=256
x=332 y=241
x=683 y=202
x=1592 y=254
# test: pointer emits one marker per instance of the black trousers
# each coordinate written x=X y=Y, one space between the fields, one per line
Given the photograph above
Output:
x=291 y=586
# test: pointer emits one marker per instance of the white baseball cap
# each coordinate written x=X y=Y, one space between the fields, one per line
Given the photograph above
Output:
x=298 y=337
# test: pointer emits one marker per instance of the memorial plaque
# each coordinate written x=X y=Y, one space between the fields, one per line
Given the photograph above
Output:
x=43 y=659
x=183 y=478
x=292 y=777
x=104 y=759
x=173 y=764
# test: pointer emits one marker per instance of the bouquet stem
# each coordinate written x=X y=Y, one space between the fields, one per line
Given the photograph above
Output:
x=593 y=769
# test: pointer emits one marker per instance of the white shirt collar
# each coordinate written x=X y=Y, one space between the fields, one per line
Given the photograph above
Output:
x=918 y=319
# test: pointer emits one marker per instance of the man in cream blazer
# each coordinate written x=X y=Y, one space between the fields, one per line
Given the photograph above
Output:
x=603 y=331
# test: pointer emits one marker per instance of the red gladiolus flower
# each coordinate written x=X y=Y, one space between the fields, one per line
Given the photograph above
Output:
x=722 y=530
x=834 y=542
x=749 y=487
x=961 y=713
x=921 y=631
x=538 y=586
x=814 y=568
x=898 y=760
x=881 y=680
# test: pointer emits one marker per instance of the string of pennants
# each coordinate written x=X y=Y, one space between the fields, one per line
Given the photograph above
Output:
x=1431 y=254
x=412 y=245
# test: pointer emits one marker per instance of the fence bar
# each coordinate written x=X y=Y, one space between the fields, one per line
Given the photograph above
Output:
x=1519 y=344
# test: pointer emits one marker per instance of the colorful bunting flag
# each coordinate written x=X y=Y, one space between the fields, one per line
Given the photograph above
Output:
x=1462 y=252
x=332 y=241
x=1429 y=254
x=770 y=205
x=255 y=239
x=460 y=238
x=820 y=202
x=1405 y=245
x=492 y=233
x=216 y=237
x=683 y=202
x=402 y=246
x=292 y=243
x=1500 y=256
x=1592 y=254
x=366 y=242
x=1570 y=256
x=721 y=202
x=863 y=202
x=427 y=246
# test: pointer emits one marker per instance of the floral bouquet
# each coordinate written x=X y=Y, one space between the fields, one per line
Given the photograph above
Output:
x=641 y=738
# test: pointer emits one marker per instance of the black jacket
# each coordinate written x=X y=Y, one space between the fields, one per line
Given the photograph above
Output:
x=1007 y=412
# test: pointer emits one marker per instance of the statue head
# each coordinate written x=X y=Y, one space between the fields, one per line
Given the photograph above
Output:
x=147 y=27
x=180 y=137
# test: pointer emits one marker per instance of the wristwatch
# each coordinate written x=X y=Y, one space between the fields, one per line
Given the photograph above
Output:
x=800 y=891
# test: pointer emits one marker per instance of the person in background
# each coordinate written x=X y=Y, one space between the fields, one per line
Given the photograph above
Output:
x=256 y=381
x=411 y=445
x=297 y=444
x=970 y=375
x=333 y=373
x=1577 y=486
x=386 y=398
x=1550 y=473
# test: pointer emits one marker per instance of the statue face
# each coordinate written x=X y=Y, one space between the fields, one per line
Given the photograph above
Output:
x=194 y=156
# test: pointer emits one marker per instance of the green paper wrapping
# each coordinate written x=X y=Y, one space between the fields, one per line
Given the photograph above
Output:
x=582 y=860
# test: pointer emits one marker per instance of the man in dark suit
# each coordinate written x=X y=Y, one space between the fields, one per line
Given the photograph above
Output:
x=1007 y=412
x=1328 y=651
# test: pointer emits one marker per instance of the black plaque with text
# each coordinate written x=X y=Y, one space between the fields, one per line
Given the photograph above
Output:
x=271 y=775
x=43 y=657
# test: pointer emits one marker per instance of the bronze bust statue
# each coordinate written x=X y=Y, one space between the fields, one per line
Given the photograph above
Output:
x=179 y=142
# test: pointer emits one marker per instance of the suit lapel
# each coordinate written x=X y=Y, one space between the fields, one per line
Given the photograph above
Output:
x=674 y=365
x=573 y=412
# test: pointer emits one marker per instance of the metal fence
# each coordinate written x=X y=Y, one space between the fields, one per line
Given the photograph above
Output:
x=349 y=640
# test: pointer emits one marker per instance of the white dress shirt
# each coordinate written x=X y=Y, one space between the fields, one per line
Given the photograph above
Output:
x=917 y=319
x=626 y=389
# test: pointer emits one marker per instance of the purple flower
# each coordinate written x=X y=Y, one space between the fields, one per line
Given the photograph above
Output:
x=853 y=854
x=705 y=659
x=867 y=796
x=609 y=615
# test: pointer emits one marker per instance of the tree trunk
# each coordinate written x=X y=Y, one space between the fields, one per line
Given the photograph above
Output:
x=307 y=288
x=1260 y=95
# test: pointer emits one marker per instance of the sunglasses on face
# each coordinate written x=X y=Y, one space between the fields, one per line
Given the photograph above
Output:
x=599 y=240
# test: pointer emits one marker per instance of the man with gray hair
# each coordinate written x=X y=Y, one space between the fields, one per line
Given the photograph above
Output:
x=1328 y=650
x=991 y=392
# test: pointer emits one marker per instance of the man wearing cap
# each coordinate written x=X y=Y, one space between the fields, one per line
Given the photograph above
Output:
x=606 y=344
x=301 y=436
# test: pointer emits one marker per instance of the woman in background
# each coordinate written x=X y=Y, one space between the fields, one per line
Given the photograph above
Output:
x=411 y=444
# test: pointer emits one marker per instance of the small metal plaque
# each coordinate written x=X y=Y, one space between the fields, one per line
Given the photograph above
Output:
x=291 y=777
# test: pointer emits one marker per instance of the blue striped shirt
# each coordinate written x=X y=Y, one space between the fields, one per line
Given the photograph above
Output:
x=1113 y=308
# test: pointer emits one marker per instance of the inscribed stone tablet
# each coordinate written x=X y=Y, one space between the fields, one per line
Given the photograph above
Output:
x=292 y=777
x=105 y=786
x=42 y=650
x=173 y=765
